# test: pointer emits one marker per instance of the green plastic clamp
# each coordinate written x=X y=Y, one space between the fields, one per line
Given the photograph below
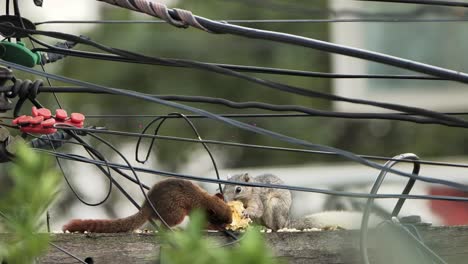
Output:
x=18 y=53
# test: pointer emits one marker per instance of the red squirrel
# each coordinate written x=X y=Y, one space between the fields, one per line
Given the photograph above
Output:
x=174 y=199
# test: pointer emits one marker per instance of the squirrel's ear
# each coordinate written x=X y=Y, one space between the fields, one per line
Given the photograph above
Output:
x=246 y=177
x=220 y=196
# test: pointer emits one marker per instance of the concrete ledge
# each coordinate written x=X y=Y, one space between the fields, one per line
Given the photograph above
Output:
x=451 y=243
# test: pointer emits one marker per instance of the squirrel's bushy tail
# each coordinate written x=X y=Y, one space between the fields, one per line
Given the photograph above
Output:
x=126 y=224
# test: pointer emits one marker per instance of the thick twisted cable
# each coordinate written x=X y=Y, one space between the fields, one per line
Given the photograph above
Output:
x=184 y=18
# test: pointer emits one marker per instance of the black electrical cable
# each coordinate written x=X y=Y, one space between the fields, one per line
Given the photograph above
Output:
x=75 y=193
x=370 y=201
x=224 y=28
x=301 y=9
x=231 y=122
x=34 y=101
x=250 y=184
x=7 y=12
x=310 y=111
x=411 y=176
x=266 y=83
x=67 y=253
x=251 y=115
x=267 y=21
x=393 y=116
x=85 y=145
x=295 y=108
x=235 y=144
x=136 y=178
x=156 y=131
x=241 y=68
x=106 y=163
x=434 y=257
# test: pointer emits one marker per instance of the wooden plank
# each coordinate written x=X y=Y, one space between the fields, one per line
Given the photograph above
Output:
x=336 y=247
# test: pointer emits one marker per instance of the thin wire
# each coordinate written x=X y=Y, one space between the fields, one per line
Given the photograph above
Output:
x=384 y=168
x=375 y=188
x=7 y=11
x=266 y=21
x=194 y=129
x=71 y=186
x=300 y=9
x=251 y=184
x=241 y=68
x=67 y=253
x=252 y=115
x=312 y=112
x=235 y=144
x=420 y=162
x=101 y=157
x=225 y=28
x=422 y=246
x=425 y=162
x=136 y=178
x=18 y=14
x=87 y=147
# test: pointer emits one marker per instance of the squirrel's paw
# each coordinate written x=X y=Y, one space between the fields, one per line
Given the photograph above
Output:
x=245 y=214
x=248 y=213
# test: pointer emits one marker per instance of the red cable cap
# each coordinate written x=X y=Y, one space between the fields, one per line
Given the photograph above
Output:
x=44 y=112
x=34 y=111
x=42 y=121
x=36 y=120
x=61 y=114
x=15 y=121
x=23 y=120
x=77 y=118
x=48 y=123
x=38 y=130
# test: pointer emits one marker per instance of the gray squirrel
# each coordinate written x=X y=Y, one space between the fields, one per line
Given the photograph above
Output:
x=267 y=206
x=271 y=207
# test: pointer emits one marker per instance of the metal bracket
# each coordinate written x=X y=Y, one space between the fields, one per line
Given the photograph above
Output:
x=16 y=22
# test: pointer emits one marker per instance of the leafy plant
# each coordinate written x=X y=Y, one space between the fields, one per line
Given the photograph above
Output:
x=35 y=186
x=190 y=246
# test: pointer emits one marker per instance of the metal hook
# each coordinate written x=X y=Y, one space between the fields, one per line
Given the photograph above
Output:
x=378 y=182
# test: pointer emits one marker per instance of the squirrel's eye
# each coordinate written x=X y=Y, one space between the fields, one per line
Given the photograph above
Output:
x=238 y=189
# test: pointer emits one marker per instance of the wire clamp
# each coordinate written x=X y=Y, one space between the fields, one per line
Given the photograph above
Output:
x=19 y=53
x=43 y=122
x=8 y=22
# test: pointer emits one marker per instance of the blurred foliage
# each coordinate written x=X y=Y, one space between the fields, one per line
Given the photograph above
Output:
x=189 y=246
x=35 y=185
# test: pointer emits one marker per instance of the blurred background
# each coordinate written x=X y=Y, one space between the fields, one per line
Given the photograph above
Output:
x=440 y=44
